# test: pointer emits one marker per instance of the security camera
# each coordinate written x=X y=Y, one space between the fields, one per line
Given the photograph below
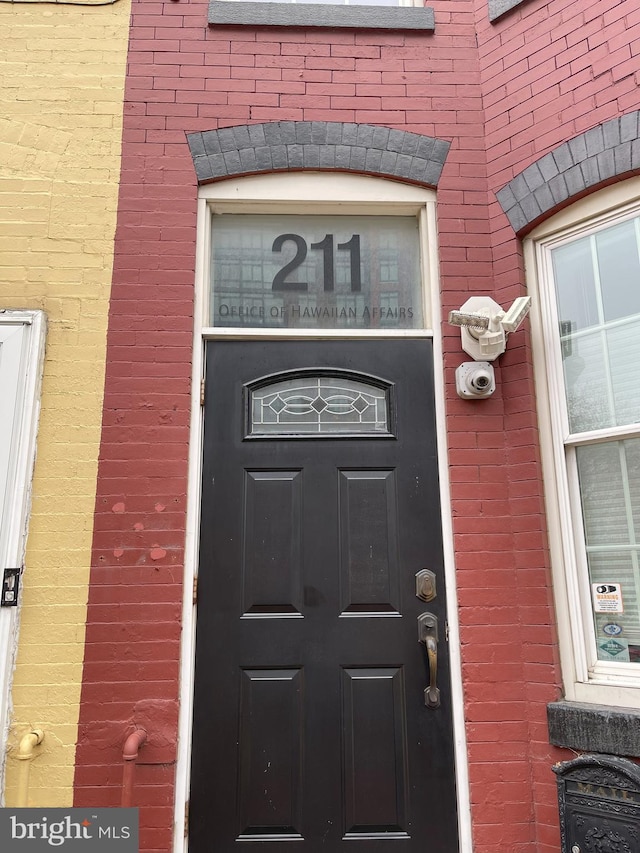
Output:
x=475 y=379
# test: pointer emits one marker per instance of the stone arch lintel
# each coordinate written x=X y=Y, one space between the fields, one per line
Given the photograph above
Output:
x=318 y=145
x=602 y=155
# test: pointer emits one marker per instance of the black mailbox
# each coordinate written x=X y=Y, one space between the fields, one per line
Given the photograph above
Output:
x=599 y=798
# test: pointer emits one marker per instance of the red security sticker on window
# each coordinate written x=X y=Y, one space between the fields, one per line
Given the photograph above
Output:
x=607 y=597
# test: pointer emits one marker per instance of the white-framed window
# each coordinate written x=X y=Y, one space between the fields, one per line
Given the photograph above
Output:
x=583 y=268
x=21 y=356
x=362 y=266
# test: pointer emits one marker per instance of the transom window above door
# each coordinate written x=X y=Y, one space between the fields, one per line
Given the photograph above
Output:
x=315 y=272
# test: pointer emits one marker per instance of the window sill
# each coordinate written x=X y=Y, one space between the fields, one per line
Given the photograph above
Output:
x=258 y=14
x=594 y=728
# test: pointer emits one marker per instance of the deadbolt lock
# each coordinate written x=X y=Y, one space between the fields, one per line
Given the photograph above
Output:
x=425 y=585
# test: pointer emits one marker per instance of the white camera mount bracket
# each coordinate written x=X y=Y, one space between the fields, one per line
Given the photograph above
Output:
x=484 y=325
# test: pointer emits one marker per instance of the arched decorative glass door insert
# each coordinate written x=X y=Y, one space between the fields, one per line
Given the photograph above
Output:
x=319 y=403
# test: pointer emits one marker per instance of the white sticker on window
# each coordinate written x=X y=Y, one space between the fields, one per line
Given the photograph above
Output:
x=607 y=597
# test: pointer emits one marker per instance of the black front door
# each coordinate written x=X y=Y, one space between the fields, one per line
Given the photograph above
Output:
x=317 y=716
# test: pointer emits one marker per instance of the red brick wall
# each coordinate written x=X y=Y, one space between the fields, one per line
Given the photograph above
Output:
x=537 y=78
x=549 y=71
x=134 y=617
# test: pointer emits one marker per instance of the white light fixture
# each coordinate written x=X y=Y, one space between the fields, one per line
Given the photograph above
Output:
x=485 y=325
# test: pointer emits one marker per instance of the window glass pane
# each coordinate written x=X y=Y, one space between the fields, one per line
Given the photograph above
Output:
x=598 y=295
x=619 y=268
x=603 y=495
x=623 y=344
x=586 y=382
x=632 y=457
x=573 y=272
x=609 y=477
x=310 y=272
x=319 y=405
x=602 y=378
x=616 y=605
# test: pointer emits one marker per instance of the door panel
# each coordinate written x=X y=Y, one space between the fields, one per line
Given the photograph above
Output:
x=310 y=722
x=270 y=741
x=368 y=533
x=375 y=754
x=272 y=550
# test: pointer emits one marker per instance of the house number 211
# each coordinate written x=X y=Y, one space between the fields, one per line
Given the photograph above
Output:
x=326 y=246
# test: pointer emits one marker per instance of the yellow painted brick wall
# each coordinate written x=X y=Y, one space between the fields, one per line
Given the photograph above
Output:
x=62 y=69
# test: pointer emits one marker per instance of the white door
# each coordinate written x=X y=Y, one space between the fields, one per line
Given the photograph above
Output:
x=21 y=352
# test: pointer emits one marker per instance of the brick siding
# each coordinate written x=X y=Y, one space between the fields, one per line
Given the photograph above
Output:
x=503 y=95
x=60 y=129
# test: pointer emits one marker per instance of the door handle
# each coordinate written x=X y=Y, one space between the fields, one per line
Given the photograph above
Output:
x=428 y=635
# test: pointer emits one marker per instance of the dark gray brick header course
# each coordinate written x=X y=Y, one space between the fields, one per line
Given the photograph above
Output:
x=600 y=155
x=263 y=14
x=498 y=8
x=288 y=146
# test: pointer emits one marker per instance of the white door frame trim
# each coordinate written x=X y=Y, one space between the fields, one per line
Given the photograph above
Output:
x=259 y=192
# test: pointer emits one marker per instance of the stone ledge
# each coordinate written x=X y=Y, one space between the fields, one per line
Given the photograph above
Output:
x=594 y=728
x=258 y=14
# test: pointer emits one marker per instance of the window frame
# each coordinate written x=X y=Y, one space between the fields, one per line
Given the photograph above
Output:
x=586 y=679
x=332 y=193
